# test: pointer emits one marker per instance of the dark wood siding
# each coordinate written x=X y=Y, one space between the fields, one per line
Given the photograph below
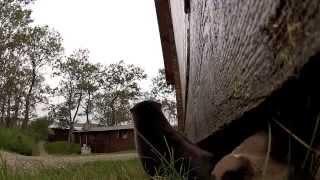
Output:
x=242 y=51
x=107 y=141
x=238 y=53
x=56 y=134
x=171 y=54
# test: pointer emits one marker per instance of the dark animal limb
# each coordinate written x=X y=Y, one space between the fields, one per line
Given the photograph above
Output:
x=162 y=148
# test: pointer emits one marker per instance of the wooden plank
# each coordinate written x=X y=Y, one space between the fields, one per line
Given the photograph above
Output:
x=180 y=22
x=167 y=37
x=170 y=56
x=241 y=52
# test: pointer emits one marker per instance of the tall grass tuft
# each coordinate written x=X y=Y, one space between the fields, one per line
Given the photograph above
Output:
x=314 y=135
x=3 y=168
x=314 y=161
x=171 y=169
x=267 y=159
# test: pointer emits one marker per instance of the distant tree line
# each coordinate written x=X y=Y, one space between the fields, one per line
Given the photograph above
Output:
x=92 y=92
x=24 y=50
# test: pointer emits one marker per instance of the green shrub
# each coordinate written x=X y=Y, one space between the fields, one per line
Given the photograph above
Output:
x=62 y=147
x=39 y=129
x=16 y=140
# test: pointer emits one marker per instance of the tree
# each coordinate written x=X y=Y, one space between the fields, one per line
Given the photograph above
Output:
x=58 y=115
x=12 y=91
x=43 y=46
x=165 y=93
x=39 y=128
x=72 y=88
x=14 y=19
x=89 y=84
x=24 y=49
x=118 y=87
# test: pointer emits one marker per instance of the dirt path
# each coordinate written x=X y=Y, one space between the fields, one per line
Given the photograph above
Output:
x=42 y=151
x=17 y=161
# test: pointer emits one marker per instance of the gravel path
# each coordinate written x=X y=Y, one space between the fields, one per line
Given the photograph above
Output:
x=16 y=161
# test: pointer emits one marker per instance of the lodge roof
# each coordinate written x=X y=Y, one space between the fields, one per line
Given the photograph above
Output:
x=113 y=128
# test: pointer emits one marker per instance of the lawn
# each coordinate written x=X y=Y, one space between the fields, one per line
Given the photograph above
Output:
x=99 y=170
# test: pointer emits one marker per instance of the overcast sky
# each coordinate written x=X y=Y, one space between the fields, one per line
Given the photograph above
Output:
x=112 y=30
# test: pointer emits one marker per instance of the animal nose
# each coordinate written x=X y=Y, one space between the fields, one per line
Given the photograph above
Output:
x=233 y=167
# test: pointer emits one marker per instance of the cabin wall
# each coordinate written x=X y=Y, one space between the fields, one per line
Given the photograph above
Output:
x=57 y=134
x=107 y=141
x=234 y=54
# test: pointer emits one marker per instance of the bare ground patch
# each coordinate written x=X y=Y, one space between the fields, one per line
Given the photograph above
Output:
x=16 y=161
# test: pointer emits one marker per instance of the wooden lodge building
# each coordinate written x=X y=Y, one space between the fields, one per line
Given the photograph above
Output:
x=107 y=139
x=230 y=62
x=99 y=139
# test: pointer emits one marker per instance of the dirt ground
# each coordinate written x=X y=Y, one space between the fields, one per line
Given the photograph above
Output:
x=16 y=161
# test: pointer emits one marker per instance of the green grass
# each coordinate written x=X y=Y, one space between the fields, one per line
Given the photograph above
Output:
x=100 y=170
x=16 y=140
x=62 y=148
x=24 y=141
x=170 y=168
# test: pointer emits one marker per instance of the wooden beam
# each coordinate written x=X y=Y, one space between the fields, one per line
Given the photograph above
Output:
x=167 y=38
x=170 y=54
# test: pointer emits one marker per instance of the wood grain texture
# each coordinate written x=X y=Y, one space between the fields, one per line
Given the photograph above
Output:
x=170 y=56
x=167 y=38
x=180 y=25
x=240 y=52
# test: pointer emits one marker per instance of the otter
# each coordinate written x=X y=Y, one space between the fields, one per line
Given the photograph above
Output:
x=159 y=144
x=247 y=162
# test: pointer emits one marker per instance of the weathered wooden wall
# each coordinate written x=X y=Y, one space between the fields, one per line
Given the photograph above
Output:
x=107 y=141
x=180 y=24
x=234 y=53
x=57 y=134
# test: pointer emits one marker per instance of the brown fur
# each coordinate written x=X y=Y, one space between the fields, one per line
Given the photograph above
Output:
x=246 y=162
x=296 y=106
